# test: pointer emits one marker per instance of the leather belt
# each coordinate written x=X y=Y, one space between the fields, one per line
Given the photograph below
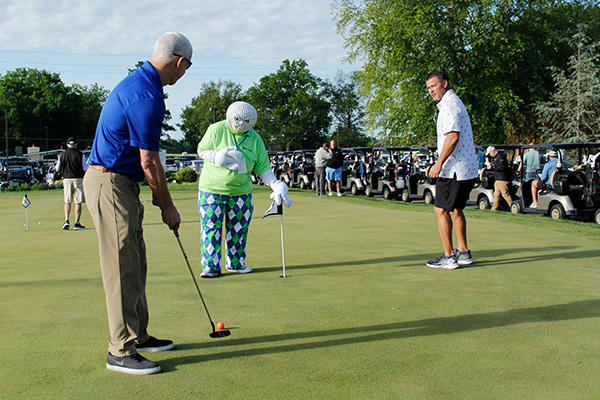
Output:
x=101 y=168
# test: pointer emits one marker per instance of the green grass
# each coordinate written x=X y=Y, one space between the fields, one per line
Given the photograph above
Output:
x=359 y=317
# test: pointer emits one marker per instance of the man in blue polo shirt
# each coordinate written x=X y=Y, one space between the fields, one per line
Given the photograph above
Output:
x=125 y=151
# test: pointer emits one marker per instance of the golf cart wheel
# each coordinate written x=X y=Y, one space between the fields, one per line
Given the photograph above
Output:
x=557 y=211
x=597 y=216
x=483 y=203
x=369 y=192
x=387 y=194
x=354 y=189
x=405 y=196
x=429 y=198
x=302 y=184
x=515 y=208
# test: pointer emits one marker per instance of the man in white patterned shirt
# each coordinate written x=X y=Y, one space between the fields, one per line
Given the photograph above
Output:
x=455 y=170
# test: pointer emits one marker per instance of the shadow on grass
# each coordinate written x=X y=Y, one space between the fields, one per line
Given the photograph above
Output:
x=482 y=258
x=400 y=330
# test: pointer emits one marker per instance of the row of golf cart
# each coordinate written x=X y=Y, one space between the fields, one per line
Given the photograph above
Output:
x=403 y=173
x=390 y=172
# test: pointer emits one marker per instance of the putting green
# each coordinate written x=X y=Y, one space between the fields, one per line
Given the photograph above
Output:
x=360 y=315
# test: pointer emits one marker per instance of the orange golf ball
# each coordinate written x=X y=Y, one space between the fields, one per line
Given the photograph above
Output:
x=220 y=325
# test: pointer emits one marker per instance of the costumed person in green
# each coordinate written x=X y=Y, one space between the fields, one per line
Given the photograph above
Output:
x=232 y=150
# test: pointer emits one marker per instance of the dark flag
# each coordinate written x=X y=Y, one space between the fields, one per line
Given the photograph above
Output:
x=274 y=210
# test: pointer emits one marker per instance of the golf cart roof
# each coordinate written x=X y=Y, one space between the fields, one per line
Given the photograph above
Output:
x=357 y=149
x=564 y=146
x=424 y=148
x=399 y=148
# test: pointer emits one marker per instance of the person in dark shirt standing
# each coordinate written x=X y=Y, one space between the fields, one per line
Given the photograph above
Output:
x=502 y=176
x=334 y=169
x=72 y=166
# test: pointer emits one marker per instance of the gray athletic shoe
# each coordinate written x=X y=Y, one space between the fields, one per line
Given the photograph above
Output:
x=135 y=364
x=444 y=261
x=463 y=257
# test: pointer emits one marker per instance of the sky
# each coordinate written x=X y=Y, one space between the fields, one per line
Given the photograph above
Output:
x=96 y=41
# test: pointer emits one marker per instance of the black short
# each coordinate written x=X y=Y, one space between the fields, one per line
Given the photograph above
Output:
x=451 y=194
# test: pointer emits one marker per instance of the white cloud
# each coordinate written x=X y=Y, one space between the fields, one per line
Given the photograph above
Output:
x=259 y=29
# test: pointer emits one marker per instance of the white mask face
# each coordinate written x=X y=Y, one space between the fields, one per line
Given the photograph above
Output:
x=241 y=116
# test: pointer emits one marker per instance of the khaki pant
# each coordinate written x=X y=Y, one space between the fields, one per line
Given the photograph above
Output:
x=113 y=201
x=501 y=190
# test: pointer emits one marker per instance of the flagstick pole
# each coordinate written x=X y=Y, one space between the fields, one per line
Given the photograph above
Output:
x=26 y=220
x=282 y=248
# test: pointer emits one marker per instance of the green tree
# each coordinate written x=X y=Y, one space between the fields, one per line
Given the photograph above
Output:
x=573 y=113
x=495 y=51
x=40 y=102
x=347 y=110
x=293 y=112
x=90 y=100
x=209 y=106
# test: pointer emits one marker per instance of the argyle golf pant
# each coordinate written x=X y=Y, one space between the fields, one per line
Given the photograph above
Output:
x=236 y=212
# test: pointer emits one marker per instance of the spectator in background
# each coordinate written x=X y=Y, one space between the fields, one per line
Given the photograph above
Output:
x=531 y=162
x=72 y=166
x=321 y=157
x=550 y=166
x=334 y=169
x=502 y=176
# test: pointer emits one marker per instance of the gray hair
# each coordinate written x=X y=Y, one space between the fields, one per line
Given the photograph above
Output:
x=169 y=44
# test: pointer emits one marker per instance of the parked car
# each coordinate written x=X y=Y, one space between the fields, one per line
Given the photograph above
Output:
x=171 y=165
x=197 y=165
x=17 y=169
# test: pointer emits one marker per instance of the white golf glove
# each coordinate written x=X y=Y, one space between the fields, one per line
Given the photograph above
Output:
x=280 y=189
x=228 y=158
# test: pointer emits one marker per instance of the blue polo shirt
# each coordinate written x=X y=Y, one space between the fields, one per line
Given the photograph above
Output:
x=131 y=119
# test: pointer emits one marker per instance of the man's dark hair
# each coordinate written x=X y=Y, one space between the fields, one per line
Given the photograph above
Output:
x=441 y=75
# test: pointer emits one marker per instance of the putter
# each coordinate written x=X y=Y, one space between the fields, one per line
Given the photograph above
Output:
x=215 y=333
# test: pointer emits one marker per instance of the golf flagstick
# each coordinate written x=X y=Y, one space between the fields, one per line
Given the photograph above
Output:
x=274 y=210
x=282 y=246
x=26 y=204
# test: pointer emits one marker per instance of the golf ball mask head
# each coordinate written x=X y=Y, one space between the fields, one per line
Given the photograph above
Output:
x=241 y=117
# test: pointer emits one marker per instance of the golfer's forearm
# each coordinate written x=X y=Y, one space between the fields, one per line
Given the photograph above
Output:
x=155 y=176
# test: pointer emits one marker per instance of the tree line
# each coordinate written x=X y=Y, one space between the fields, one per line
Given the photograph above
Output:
x=527 y=71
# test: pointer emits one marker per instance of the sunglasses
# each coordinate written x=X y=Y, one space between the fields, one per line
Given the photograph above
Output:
x=189 y=62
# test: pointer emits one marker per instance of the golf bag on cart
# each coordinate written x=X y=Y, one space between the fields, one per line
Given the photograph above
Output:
x=592 y=177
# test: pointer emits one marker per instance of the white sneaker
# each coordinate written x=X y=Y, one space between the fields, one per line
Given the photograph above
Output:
x=339 y=194
x=330 y=194
x=207 y=273
x=245 y=270
x=533 y=205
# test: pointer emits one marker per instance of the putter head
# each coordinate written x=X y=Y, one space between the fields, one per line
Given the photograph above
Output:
x=220 y=334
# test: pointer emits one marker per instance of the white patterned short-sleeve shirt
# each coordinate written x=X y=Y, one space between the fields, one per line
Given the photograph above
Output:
x=453 y=117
